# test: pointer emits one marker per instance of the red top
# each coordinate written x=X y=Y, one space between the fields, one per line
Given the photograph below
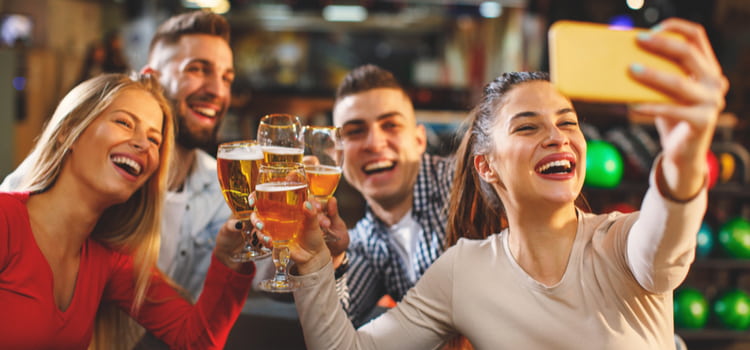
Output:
x=30 y=319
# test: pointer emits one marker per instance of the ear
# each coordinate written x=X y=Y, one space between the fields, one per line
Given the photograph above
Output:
x=150 y=70
x=421 y=138
x=483 y=168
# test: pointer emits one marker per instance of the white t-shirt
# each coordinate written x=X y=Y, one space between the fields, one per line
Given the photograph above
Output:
x=404 y=236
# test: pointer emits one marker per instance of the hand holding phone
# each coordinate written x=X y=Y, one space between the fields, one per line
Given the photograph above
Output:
x=590 y=62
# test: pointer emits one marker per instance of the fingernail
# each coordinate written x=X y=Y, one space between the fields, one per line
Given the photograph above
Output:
x=238 y=225
x=637 y=68
x=266 y=239
x=251 y=201
x=643 y=36
x=657 y=28
x=259 y=225
x=308 y=205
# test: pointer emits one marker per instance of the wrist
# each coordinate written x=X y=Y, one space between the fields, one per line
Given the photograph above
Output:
x=339 y=259
x=315 y=263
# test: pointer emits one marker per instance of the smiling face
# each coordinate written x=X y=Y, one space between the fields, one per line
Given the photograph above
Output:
x=119 y=150
x=539 y=151
x=382 y=142
x=196 y=72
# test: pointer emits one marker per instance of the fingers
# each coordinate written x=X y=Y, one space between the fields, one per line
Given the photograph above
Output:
x=700 y=67
x=693 y=33
x=310 y=160
x=333 y=207
x=258 y=226
x=699 y=93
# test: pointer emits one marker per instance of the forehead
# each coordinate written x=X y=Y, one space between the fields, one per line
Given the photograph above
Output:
x=141 y=105
x=369 y=105
x=540 y=97
x=190 y=47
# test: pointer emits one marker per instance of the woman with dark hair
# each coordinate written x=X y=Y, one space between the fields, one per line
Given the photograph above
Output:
x=543 y=273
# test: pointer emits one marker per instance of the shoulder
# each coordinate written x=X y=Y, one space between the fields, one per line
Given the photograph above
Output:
x=491 y=245
x=14 y=224
x=115 y=258
x=437 y=163
x=204 y=161
x=203 y=174
x=593 y=224
x=13 y=203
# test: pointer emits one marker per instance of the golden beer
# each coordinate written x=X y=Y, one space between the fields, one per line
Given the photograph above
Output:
x=238 y=174
x=275 y=154
x=279 y=206
x=322 y=180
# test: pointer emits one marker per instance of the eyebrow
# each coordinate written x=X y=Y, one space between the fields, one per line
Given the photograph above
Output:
x=208 y=63
x=535 y=114
x=385 y=115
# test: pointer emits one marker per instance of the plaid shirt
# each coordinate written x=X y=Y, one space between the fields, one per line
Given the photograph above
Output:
x=375 y=268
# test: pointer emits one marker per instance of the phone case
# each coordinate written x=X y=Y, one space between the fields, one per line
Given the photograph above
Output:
x=590 y=62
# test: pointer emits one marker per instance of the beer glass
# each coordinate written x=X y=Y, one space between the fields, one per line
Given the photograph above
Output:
x=237 y=166
x=279 y=198
x=323 y=158
x=280 y=136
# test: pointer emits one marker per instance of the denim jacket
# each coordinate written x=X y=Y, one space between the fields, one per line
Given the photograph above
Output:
x=204 y=213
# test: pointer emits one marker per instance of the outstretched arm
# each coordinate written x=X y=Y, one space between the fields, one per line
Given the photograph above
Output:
x=661 y=243
x=685 y=127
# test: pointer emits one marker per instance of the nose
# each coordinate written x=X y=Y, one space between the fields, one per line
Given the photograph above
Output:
x=216 y=85
x=555 y=137
x=375 y=140
x=139 y=141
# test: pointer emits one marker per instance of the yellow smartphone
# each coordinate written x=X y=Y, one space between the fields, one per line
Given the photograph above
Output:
x=590 y=62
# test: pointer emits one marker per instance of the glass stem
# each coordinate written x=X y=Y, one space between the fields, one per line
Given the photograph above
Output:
x=281 y=261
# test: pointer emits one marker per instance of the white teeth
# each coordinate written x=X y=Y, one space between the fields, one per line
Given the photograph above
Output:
x=558 y=163
x=209 y=112
x=129 y=162
x=378 y=165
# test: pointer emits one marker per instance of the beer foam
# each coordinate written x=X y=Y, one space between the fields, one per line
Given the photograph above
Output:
x=252 y=153
x=279 y=186
x=322 y=169
x=282 y=150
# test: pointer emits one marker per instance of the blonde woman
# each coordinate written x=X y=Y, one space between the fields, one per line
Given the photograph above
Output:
x=79 y=240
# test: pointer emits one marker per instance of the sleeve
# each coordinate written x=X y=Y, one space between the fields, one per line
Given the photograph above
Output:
x=11 y=213
x=4 y=237
x=661 y=243
x=422 y=320
x=171 y=318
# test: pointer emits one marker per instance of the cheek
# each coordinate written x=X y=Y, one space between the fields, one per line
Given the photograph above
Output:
x=153 y=160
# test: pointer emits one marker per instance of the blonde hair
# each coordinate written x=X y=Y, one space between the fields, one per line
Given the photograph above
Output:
x=132 y=227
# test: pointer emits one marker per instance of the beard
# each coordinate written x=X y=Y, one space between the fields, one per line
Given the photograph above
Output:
x=193 y=136
x=190 y=138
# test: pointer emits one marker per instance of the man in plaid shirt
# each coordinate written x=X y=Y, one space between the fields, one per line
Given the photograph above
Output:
x=403 y=229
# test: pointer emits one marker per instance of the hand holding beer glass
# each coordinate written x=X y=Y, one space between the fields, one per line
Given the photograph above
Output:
x=238 y=165
x=280 y=195
x=323 y=158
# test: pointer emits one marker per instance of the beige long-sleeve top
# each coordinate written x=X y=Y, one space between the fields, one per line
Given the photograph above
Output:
x=616 y=292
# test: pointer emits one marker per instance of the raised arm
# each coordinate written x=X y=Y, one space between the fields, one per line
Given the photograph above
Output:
x=685 y=127
x=661 y=244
